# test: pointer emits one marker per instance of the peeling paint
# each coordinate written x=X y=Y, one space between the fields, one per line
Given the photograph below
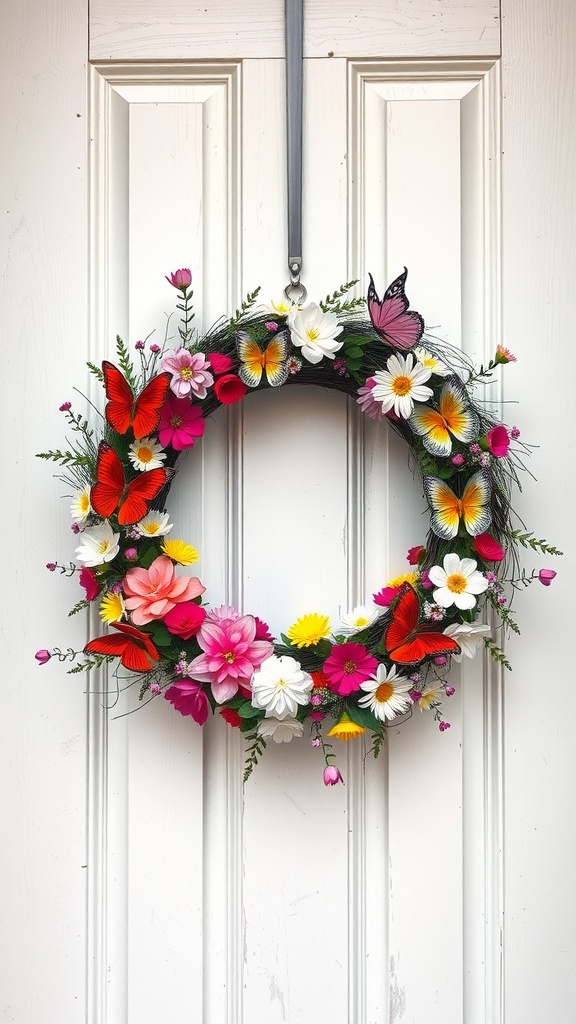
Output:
x=397 y=995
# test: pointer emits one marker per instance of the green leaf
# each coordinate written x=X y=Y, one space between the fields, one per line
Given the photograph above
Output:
x=247 y=710
x=146 y=557
x=159 y=634
x=353 y=352
x=362 y=716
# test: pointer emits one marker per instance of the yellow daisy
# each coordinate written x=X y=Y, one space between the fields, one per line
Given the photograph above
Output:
x=309 y=630
x=111 y=607
x=181 y=552
x=407 y=577
x=346 y=729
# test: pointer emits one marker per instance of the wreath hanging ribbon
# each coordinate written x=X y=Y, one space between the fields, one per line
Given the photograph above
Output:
x=384 y=658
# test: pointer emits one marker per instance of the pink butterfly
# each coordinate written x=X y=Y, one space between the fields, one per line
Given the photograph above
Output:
x=396 y=325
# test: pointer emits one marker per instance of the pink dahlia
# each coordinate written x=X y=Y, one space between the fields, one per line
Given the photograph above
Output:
x=385 y=596
x=231 y=654
x=152 y=593
x=189 y=699
x=180 y=423
x=190 y=373
x=185 y=619
x=347 y=666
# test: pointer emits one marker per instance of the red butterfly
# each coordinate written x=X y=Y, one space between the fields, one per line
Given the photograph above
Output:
x=404 y=641
x=390 y=318
x=124 y=410
x=135 y=649
x=111 y=492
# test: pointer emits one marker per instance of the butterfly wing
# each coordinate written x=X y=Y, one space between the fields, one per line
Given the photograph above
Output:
x=134 y=648
x=275 y=359
x=476 y=510
x=252 y=358
x=107 y=490
x=148 y=405
x=392 y=320
x=120 y=404
x=407 y=645
x=139 y=494
x=445 y=518
x=453 y=417
x=432 y=428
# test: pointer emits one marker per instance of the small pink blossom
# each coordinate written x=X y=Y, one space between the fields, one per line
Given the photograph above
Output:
x=75 y=528
x=155 y=348
x=271 y=325
x=65 y=407
x=316 y=699
x=385 y=596
x=340 y=368
x=504 y=355
x=475 y=448
x=332 y=775
x=180 y=279
x=219 y=362
x=515 y=433
x=43 y=656
x=458 y=459
x=449 y=690
x=443 y=726
x=425 y=580
x=180 y=423
x=189 y=699
x=484 y=460
x=131 y=554
x=316 y=742
x=190 y=373
x=89 y=581
x=347 y=666
x=415 y=554
x=155 y=689
x=498 y=441
x=51 y=566
x=501 y=600
x=294 y=365
x=368 y=403
x=152 y=593
x=139 y=345
x=231 y=655
x=546 y=576
x=184 y=620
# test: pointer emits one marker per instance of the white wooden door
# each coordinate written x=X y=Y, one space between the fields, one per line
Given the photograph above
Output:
x=144 y=883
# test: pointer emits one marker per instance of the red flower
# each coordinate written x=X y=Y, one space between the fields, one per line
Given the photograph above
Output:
x=90 y=583
x=220 y=363
x=232 y=717
x=229 y=389
x=385 y=596
x=185 y=619
x=347 y=666
x=320 y=680
x=498 y=441
x=180 y=279
x=415 y=554
x=189 y=699
x=488 y=548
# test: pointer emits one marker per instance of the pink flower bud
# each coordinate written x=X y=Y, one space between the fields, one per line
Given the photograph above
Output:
x=51 y=566
x=414 y=695
x=65 y=406
x=546 y=576
x=180 y=279
x=315 y=742
x=449 y=690
x=316 y=716
x=332 y=775
x=155 y=689
x=139 y=345
x=154 y=348
x=131 y=554
x=440 y=660
x=498 y=441
x=271 y=325
x=443 y=726
x=415 y=554
x=43 y=656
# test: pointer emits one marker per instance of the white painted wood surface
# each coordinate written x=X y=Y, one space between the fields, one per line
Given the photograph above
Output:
x=381 y=903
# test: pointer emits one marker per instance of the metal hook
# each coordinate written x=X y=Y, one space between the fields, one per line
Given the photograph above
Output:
x=295 y=291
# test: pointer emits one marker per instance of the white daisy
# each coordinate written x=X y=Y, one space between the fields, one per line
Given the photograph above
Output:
x=80 y=508
x=360 y=617
x=458 y=582
x=315 y=332
x=99 y=544
x=280 y=732
x=155 y=524
x=386 y=694
x=430 y=695
x=468 y=635
x=283 y=307
x=146 y=453
x=431 y=362
x=279 y=686
x=401 y=384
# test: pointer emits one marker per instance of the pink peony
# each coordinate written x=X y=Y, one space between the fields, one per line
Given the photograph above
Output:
x=190 y=373
x=219 y=362
x=189 y=699
x=498 y=441
x=546 y=576
x=231 y=654
x=347 y=666
x=222 y=613
x=180 y=279
x=367 y=403
x=184 y=620
x=332 y=775
x=90 y=583
x=488 y=548
x=180 y=423
x=229 y=389
x=151 y=593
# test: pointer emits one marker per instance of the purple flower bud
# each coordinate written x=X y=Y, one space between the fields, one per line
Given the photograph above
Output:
x=440 y=660
x=414 y=695
x=65 y=406
x=154 y=348
x=75 y=528
x=332 y=775
x=449 y=690
x=515 y=433
x=52 y=566
x=443 y=726
x=43 y=656
x=131 y=554
x=546 y=576
x=315 y=742
x=139 y=345
x=316 y=698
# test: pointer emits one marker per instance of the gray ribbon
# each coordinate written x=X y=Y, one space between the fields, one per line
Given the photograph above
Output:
x=295 y=291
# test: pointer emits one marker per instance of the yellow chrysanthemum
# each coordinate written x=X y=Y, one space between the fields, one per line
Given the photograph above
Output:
x=111 y=608
x=309 y=630
x=181 y=552
x=407 y=577
x=346 y=729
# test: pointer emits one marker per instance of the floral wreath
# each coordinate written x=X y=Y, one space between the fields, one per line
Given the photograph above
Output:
x=384 y=658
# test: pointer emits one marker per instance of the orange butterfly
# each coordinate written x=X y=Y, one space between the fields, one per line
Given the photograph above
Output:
x=255 y=360
x=454 y=416
x=473 y=507
x=111 y=492
x=405 y=642
x=124 y=410
x=134 y=648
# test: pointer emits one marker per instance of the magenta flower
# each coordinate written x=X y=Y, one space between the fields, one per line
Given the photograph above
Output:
x=443 y=726
x=271 y=325
x=488 y=548
x=155 y=348
x=180 y=279
x=190 y=373
x=189 y=699
x=415 y=554
x=368 y=403
x=152 y=593
x=231 y=654
x=180 y=423
x=458 y=459
x=65 y=407
x=185 y=619
x=90 y=583
x=262 y=630
x=332 y=775
x=498 y=441
x=449 y=691
x=385 y=596
x=139 y=345
x=546 y=576
x=347 y=666
x=219 y=362
x=43 y=656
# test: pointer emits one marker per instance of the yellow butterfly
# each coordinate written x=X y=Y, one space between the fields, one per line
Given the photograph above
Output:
x=255 y=361
x=473 y=507
x=453 y=416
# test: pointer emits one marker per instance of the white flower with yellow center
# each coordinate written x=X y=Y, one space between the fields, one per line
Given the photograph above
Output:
x=99 y=544
x=146 y=453
x=457 y=583
x=279 y=686
x=280 y=732
x=401 y=384
x=468 y=635
x=281 y=308
x=154 y=524
x=431 y=362
x=80 y=508
x=386 y=694
x=430 y=695
x=360 y=617
x=111 y=607
x=315 y=332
